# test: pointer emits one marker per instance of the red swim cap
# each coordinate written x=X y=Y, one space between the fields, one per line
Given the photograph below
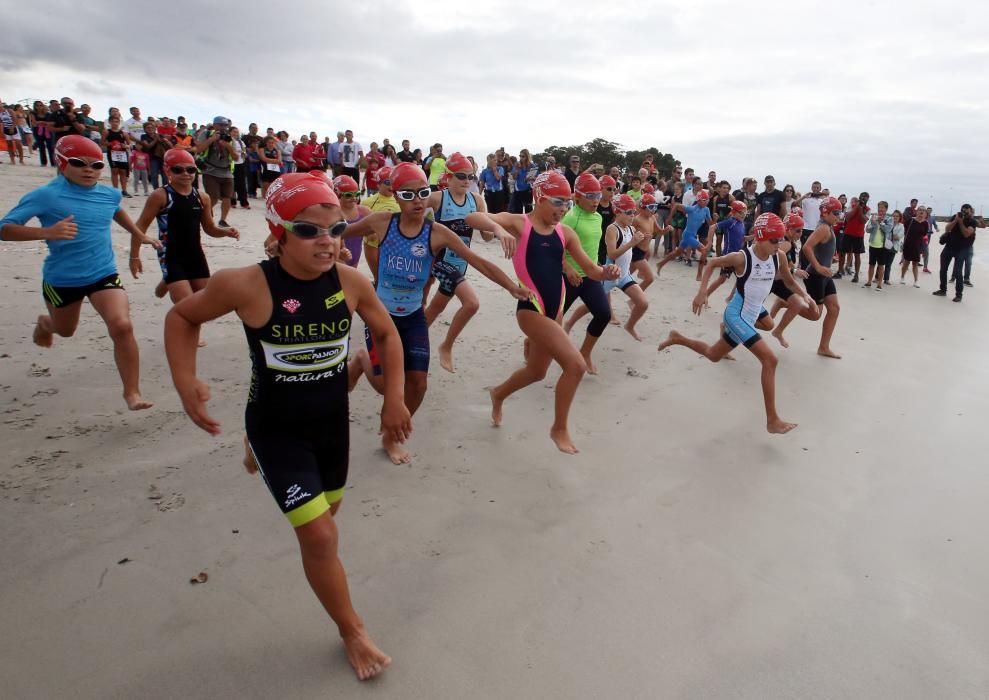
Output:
x=622 y=203
x=768 y=227
x=551 y=184
x=648 y=188
x=608 y=181
x=586 y=183
x=830 y=206
x=647 y=199
x=345 y=183
x=404 y=173
x=457 y=162
x=176 y=156
x=793 y=221
x=383 y=174
x=738 y=207
x=702 y=196
x=75 y=146
x=798 y=211
x=444 y=181
x=293 y=192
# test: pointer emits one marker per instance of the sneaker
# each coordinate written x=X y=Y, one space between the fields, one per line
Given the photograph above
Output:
x=690 y=263
x=245 y=206
x=836 y=276
x=927 y=271
x=940 y=293
x=916 y=286
x=233 y=205
x=879 y=288
x=855 y=279
x=126 y=194
x=868 y=284
x=902 y=281
x=967 y=283
x=224 y=224
x=957 y=298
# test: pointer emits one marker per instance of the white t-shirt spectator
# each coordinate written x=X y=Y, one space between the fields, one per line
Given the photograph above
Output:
x=134 y=127
x=350 y=154
x=812 y=212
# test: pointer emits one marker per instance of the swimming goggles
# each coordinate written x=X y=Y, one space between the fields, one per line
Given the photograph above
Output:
x=305 y=230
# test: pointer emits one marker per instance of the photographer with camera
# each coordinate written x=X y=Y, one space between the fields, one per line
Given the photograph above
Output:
x=215 y=152
x=958 y=237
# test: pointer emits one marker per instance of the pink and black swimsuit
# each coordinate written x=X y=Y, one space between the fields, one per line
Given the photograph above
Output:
x=538 y=262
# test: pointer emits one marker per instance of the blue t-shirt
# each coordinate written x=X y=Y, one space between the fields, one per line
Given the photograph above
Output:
x=86 y=258
x=522 y=183
x=735 y=237
x=491 y=183
x=697 y=216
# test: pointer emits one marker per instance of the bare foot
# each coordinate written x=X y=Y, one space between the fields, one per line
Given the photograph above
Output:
x=249 y=463
x=659 y=269
x=367 y=659
x=779 y=427
x=495 y=409
x=43 y=335
x=632 y=332
x=161 y=289
x=779 y=336
x=446 y=358
x=568 y=326
x=136 y=403
x=614 y=319
x=672 y=339
x=828 y=352
x=563 y=441
x=202 y=343
x=591 y=369
x=395 y=452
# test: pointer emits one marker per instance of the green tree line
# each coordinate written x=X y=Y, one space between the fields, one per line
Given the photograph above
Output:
x=609 y=153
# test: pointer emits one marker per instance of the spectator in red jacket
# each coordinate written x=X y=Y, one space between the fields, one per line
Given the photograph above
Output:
x=303 y=155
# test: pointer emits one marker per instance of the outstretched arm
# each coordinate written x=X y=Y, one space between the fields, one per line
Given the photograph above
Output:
x=445 y=238
x=590 y=268
x=225 y=293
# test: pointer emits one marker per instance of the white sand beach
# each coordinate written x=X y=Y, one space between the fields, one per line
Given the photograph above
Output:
x=684 y=553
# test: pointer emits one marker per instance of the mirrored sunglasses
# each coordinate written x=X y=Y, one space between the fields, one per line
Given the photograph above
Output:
x=306 y=230
x=409 y=195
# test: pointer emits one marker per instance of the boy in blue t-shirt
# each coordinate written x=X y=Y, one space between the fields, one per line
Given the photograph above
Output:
x=75 y=214
x=698 y=215
x=733 y=230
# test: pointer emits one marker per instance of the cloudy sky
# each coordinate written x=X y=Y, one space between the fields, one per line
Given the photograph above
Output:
x=889 y=97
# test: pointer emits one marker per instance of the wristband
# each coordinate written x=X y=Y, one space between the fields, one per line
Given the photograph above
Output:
x=138 y=258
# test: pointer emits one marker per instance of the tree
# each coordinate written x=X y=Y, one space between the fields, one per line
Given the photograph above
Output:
x=609 y=153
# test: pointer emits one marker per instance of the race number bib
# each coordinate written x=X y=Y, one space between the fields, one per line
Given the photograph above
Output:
x=272 y=167
x=118 y=156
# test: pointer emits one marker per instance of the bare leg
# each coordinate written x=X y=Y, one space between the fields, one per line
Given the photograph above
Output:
x=586 y=348
x=639 y=306
x=880 y=273
x=830 y=321
x=63 y=322
x=774 y=424
x=667 y=258
x=578 y=313
x=112 y=306
x=549 y=342
x=715 y=353
x=318 y=543
x=469 y=305
x=415 y=392
x=645 y=273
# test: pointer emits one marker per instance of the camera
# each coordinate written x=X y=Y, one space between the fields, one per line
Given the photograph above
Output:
x=224 y=136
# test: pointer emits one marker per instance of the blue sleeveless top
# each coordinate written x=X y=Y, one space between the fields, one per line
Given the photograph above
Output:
x=403 y=268
x=452 y=216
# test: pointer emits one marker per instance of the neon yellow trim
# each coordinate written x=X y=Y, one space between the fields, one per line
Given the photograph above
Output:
x=308 y=511
x=333 y=496
x=53 y=296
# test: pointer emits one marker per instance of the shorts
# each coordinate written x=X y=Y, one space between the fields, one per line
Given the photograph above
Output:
x=304 y=468
x=690 y=242
x=877 y=256
x=678 y=221
x=738 y=331
x=269 y=175
x=118 y=165
x=638 y=254
x=218 y=187
x=781 y=290
x=175 y=267
x=16 y=136
x=852 y=244
x=819 y=287
x=449 y=275
x=60 y=297
x=414 y=332
x=621 y=283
